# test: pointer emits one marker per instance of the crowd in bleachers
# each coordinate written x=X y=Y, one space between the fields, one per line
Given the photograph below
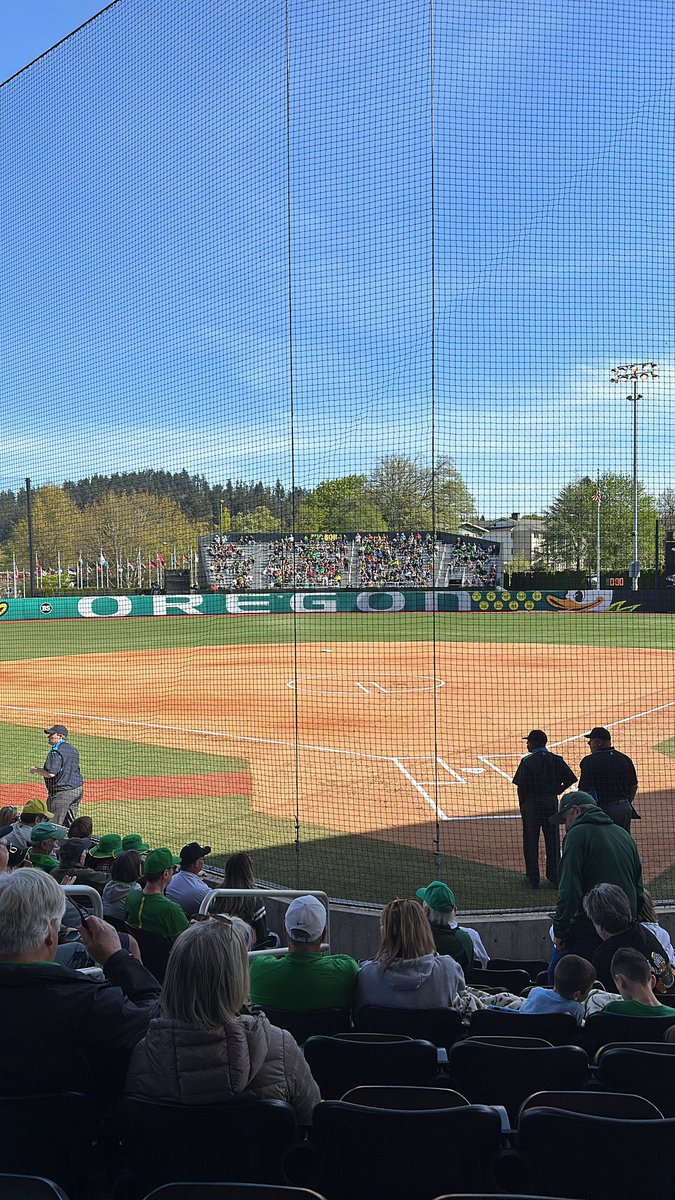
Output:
x=228 y=564
x=309 y=560
x=396 y=558
x=158 y=1000
x=470 y=565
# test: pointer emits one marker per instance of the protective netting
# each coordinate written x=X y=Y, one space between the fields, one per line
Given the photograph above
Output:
x=308 y=316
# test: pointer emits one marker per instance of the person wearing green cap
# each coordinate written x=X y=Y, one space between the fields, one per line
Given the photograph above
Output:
x=45 y=836
x=104 y=851
x=438 y=901
x=151 y=909
x=131 y=841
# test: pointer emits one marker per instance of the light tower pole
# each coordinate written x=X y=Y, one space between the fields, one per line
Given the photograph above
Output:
x=632 y=372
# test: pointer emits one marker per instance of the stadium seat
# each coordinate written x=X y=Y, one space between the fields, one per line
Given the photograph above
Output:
x=339 y=1064
x=405 y=1097
x=22 y=1152
x=602 y=1028
x=495 y=1196
x=442 y=1026
x=504 y=981
x=154 y=948
x=325 y=1021
x=533 y=966
x=646 y=1074
x=29 y=1187
x=507 y=1075
x=493 y=1040
x=646 y=1047
x=163 y=1143
x=383 y=1154
x=560 y=1029
x=602 y=1157
x=625 y=1105
x=229 y=1191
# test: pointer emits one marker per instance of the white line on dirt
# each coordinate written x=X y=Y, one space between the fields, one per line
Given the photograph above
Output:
x=422 y=791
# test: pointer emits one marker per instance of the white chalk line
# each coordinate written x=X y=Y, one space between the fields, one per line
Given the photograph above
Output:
x=422 y=791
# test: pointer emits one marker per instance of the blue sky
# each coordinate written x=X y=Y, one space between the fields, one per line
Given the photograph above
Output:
x=144 y=315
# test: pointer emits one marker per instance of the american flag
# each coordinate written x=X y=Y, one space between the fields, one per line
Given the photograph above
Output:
x=597 y=496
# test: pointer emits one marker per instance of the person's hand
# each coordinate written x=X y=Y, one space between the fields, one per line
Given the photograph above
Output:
x=68 y=880
x=35 y=770
x=134 y=949
x=101 y=940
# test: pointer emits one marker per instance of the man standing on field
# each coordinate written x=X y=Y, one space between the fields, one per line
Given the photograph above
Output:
x=62 y=777
x=540 y=779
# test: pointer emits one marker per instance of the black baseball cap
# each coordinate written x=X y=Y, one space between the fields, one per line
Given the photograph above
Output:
x=60 y=729
x=599 y=731
x=190 y=853
x=536 y=735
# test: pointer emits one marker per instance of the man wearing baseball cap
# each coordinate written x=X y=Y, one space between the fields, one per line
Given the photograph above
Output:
x=305 y=979
x=45 y=836
x=610 y=777
x=151 y=909
x=540 y=778
x=438 y=901
x=62 y=776
x=31 y=814
x=596 y=851
x=186 y=888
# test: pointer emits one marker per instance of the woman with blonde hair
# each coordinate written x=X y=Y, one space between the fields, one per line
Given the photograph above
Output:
x=406 y=971
x=206 y=1046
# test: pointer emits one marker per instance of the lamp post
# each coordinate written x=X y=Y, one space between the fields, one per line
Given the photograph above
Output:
x=632 y=372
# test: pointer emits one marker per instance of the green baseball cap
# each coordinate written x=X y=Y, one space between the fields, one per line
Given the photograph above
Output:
x=160 y=860
x=107 y=845
x=131 y=841
x=570 y=801
x=438 y=896
x=44 y=831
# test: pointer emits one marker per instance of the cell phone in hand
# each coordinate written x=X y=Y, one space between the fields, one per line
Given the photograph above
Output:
x=83 y=915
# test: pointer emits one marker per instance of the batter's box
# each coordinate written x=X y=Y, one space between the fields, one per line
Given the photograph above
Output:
x=372 y=685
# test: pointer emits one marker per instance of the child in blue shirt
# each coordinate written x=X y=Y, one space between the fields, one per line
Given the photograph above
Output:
x=572 y=981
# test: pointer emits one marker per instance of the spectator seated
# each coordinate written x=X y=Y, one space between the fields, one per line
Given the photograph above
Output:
x=228 y=566
x=404 y=559
x=406 y=971
x=315 y=560
x=469 y=564
x=304 y=979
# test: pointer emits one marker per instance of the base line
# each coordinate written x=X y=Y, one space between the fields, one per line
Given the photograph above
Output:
x=422 y=791
x=624 y=721
x=484 y=758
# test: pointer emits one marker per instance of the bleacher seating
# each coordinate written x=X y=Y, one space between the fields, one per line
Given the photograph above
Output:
x=341 y=1063
x=602 y=1028
x=560 y=1029
x=442 y=1026
x=647 y=1074
x=507 y=1075
x=29 y=1187
x=230 y=1191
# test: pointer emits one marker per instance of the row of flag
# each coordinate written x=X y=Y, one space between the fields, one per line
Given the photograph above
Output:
x=147 y=570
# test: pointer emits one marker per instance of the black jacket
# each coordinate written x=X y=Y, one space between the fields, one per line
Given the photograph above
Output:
x=67 y=1032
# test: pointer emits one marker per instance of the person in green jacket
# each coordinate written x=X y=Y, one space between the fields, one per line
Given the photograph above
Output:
x=595 y=851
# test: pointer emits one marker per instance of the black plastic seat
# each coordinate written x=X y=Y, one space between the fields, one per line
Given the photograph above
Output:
x=381 y=1154
x=647 y=1074
x=154 y=948
x=504 y=981
x=626 y=1106
x=29 y=1187
x=533 y=966
x=442 y=1026
x=507 y=1075
x=560 y=1029
x=406 y=1098
x=646 y=1047
x=594 y=1156
x=602 y=1028
x=230 y=1191
x=493 y=1040
x=162 y=1142
x=339 y=1064
x=24 y=1153
x=303 y=1025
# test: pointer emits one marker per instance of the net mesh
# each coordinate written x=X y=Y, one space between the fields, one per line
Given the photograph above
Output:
x=308 y=314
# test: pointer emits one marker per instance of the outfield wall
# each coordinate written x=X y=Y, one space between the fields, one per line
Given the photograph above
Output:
x=337 y=601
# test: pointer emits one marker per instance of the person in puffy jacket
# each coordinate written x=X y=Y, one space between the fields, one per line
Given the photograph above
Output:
x=406 y=971
x=205 y=1047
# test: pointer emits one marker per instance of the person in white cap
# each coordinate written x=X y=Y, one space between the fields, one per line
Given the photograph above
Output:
x=304 y=979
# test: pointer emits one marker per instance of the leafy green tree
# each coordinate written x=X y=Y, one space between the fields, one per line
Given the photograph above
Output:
x=121 y=524
x=57 y=529
x=408 y=494
x=571 y=525
x=261 y=520
x=340 y=506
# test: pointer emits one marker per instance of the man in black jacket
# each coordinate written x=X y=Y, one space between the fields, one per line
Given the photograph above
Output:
x=610 y=777
x=91 y=1026
x=540 y=778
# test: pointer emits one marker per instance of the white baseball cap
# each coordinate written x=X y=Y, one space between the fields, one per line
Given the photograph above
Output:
x=305 y=919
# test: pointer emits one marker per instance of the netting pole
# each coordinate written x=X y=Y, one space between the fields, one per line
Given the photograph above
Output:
x=434 y=531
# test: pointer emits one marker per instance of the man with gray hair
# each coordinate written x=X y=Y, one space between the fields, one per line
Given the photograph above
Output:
x=94 y=1025
x=608 y=907
x=304 y=979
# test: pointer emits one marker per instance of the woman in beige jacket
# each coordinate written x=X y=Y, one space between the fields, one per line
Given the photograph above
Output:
x=204 y=1047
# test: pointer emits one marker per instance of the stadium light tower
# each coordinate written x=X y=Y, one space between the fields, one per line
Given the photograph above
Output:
x=631 y=373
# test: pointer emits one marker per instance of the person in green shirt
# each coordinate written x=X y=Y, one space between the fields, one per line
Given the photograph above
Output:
x=438 y=901
x=150 y=909
x=45 y=836
x=304 y=979
x=635 y=981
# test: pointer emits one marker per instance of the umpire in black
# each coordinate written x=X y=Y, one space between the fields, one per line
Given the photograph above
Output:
x=609 y=777
x=540 y=778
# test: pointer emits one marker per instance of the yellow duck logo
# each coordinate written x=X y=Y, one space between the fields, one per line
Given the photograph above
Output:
x=577 y=602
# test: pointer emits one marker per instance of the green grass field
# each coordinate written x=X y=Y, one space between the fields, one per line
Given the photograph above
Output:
x=366 y=868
